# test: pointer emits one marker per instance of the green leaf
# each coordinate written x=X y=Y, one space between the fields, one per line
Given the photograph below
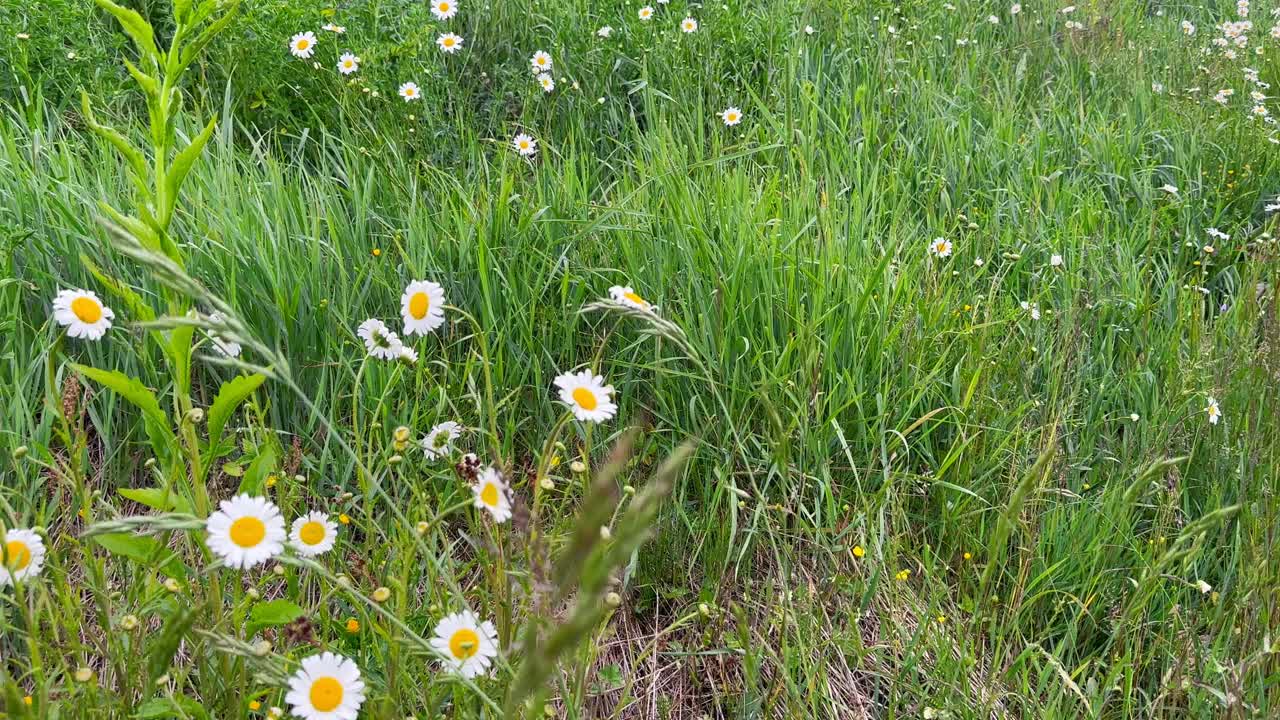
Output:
x=132 y=300
x=156 y=499
x=230 y=395
x=136 y=27
x=179 y=706
x=195 y=47
x=181 y=11
x=271 y=614
x=154 y=419
x=146 y=551
x=182 y=163
x=141 y=231
x=165 y=645
x=179 y=352
x=133 y=156
x=254 y=480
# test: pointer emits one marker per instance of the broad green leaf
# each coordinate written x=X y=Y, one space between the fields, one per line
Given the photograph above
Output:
x=149 y=86
x=133 y=156
x=182 y=163
x=230 y=395
x=254 y=480
x=181 y=11
x=141 y=231
x=271 y=614
x=179 y=351
x=165 y=645
x=163 y=707
x=131 y=299
x=154 y=419
x=146 y=551
x=195 y=47
x=136 y=27
x=156 y=499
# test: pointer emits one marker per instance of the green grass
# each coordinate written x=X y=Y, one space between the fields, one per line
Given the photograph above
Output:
x=841 y=387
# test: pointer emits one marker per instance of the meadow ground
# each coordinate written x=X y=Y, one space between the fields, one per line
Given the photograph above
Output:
x=952 y=392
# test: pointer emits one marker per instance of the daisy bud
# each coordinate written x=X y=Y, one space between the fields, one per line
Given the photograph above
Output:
x=422 y=527
x=578 y=466
x=395 y=460
x=84 y=675
x=381 y=594
x=547 y=484
x=162 y=680
x=19 y=452
x=613 y=599
x=1203 y=586
x=402 y=434
x=262 y=648
x=194 y=416
x=150 y=463
x=129 y=622
x=253 y=593
x=704 y=610
x=628 y=490
x=605 y=533
x=278 y=570
x=1134 y=417
x=172 y=585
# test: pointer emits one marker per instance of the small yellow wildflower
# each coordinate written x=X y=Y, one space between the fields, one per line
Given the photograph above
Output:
x=858 y=552
x=344 y=519
x=353 y=625
x=254 y=705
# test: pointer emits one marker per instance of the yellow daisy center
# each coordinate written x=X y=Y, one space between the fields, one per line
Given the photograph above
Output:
x=444 y=7
x=419 y=304
x=326 y=694
x=489 y=495
x=524 y=144
x=464 y=643
x=348 y=63
x=634 y=298
x=303 y=44
x=17 y=555
x=247 y=531
x=312 y=533
x=941 y=246
x=410 y=92
x=86 y=309
x=585 y=398
x=448 y=42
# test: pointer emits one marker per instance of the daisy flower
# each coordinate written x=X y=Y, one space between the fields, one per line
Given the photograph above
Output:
x=541 y=61
x=313 y=534
x=490 y=493
x=303 y=45
x=627 y=296
x=227 y=347
x=407 y=355
x=444 y=9
x=546 y=82
x=348 y=63
x=689 y=25
x=1055 y=260
x=326 y=687
x=334 y=28
x=587 y=395
x=245 y=531
x=525 y=144
x=422 y=307
x=731 y=116
x=940 y=247
x=466 y=645
x=378 y=340
x=409 y=91
x=23 y=556
x=439 y=442
x=645 y=13
x=449 y=43
x=1215 y=412
x=604 y=32
x=82 y=314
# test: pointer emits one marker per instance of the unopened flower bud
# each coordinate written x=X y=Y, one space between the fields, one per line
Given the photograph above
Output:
x=613 y=599
x=19 y=452
x=578 y=466
x=605 y=532
x=129 y=622
x=381 y=594
x=195 y=416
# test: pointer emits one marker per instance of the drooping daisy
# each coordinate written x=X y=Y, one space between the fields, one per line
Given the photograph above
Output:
x=422 y=307
x=541 y=62
x=449 y=43
x=245 y=531
x=525 y=145
x=82 y=314
x=409 y=91
x=466 y=645
x=313 y=534
x=227 y=347
x=23 y=556
x=627 y=296
x=490 y=493
x=439 y=442
x=1215 y=412
x=303 y=45
x=338 y=29
x=444 y=9
x=604 y=32
x=348 y=63
x=326 y=687
x=689 y=25
x=378 y=340
x=731 y=116
x=940 y=247
x=407 y=355
x=546 y=82
x=645 y=13
x=587 y=395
